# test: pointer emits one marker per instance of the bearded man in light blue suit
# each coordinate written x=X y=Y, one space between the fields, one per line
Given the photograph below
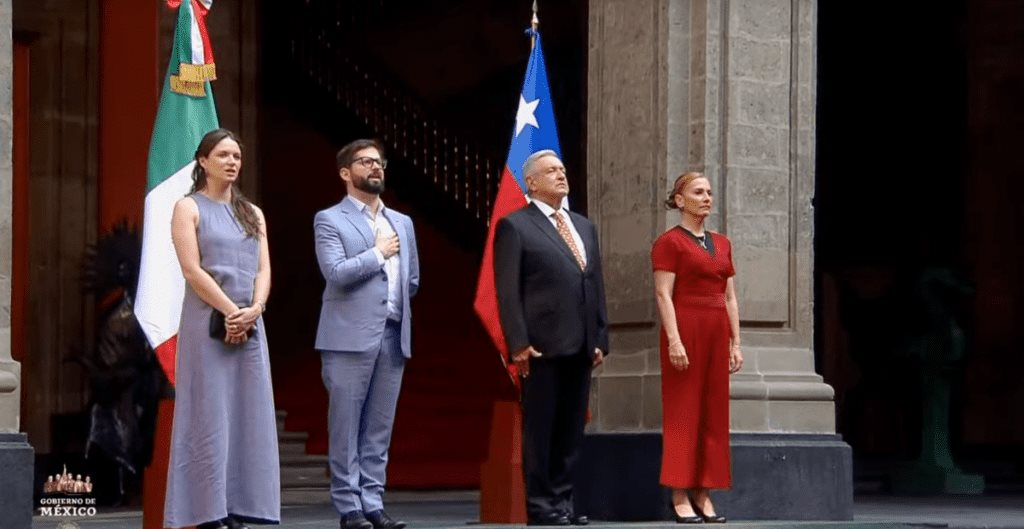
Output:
x=367 y=254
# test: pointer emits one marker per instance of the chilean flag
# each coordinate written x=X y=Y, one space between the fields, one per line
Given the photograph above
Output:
x=534 y=131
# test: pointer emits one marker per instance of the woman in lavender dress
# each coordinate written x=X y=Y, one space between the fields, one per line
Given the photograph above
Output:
x=224 y=466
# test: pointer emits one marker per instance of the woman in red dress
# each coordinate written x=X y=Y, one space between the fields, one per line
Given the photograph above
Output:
x=700 y=347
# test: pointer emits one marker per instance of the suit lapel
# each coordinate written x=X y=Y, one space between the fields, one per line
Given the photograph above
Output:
x=355 y=217
x=545 y=226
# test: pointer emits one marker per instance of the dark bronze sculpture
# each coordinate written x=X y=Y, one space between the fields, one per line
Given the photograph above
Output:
x=940 y=347
x=125 y=378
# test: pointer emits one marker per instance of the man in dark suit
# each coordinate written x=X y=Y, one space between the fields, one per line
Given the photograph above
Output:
x=547 y=273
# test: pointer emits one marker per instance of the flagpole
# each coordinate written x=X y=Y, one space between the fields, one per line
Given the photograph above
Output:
x=534 y=22
x=502 y=491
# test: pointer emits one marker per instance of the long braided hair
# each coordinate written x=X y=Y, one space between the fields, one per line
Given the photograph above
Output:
x=241 y=206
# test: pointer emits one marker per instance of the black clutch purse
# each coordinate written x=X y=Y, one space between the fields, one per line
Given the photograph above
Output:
x=217 y=329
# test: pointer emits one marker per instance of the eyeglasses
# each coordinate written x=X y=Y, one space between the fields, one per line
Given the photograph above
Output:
x=368 y=162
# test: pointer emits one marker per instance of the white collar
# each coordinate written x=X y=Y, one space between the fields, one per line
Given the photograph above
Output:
x=548 y=210
x=362 y=207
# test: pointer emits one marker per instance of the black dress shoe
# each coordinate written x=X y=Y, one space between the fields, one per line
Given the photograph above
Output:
x=232 y=523
x=216 y=524
x=381 y=520
x=551 y=518
x=354 y=520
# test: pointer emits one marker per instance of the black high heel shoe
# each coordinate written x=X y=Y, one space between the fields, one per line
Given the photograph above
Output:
x=716 y=518
x=684 y=519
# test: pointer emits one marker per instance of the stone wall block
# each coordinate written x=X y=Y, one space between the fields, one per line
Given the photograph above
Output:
x=629 y=278
x=778 y=360
x=6 y=63
x=805 y=156
x=619 y=399
x=712 y=17
x=652 y=411
x=634 y=341
x=765 y=230
x=761 y=103
x=624 y=362
x=802 y=416
x=713 y=150
x=767 y=20
x=762 y=284
x=755 y=191
x=757 y=146
x=631 y=103
x=694 y=155
x=805 y=119
x=6 y=162
x=748 y=415
x=654 y=357
x=806 y=18
x=630 y=234
x=5 y=286
x=805 y=66
x=760 y=61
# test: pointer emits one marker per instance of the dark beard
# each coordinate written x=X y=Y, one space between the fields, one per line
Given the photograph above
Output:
x=364 y=184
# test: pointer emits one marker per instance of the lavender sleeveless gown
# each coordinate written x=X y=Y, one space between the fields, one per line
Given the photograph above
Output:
x=224 y=455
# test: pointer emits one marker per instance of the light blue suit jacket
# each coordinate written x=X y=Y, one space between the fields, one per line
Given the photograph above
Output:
x=354 y=308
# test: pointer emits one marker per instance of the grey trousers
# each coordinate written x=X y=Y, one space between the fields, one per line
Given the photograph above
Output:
x=363 y=389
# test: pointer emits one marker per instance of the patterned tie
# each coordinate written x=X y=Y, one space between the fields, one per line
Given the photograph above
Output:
x=563 y=230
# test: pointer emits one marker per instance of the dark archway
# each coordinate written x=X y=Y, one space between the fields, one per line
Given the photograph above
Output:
x=916 y=118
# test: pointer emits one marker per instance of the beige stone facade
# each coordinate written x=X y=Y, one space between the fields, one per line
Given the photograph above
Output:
x=726 y=87
x=10 y=371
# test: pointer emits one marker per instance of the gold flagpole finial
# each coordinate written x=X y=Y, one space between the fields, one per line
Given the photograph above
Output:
x=534 y=22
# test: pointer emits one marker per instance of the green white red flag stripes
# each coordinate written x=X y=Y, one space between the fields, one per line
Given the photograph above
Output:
x=186 y=113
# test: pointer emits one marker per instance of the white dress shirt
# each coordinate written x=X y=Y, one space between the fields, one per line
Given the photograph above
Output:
x=548 y=211
x=379 y=224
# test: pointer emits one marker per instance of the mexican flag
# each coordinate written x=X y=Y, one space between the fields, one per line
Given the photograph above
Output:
x=186 y=113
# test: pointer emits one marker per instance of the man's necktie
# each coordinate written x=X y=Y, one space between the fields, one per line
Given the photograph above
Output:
x=563 y=230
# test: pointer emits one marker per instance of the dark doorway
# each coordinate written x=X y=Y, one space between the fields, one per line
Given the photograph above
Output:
x=915 y=114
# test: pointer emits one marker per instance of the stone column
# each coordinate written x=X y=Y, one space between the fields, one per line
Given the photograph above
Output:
x=726 y=87
x=15 y=453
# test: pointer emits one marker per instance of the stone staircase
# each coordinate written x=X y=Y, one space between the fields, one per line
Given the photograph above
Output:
x=305 y=478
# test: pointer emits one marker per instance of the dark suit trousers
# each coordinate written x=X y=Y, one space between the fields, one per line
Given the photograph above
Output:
x=554 y=402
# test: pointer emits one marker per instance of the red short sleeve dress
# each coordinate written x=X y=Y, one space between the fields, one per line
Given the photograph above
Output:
x=695 y=401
